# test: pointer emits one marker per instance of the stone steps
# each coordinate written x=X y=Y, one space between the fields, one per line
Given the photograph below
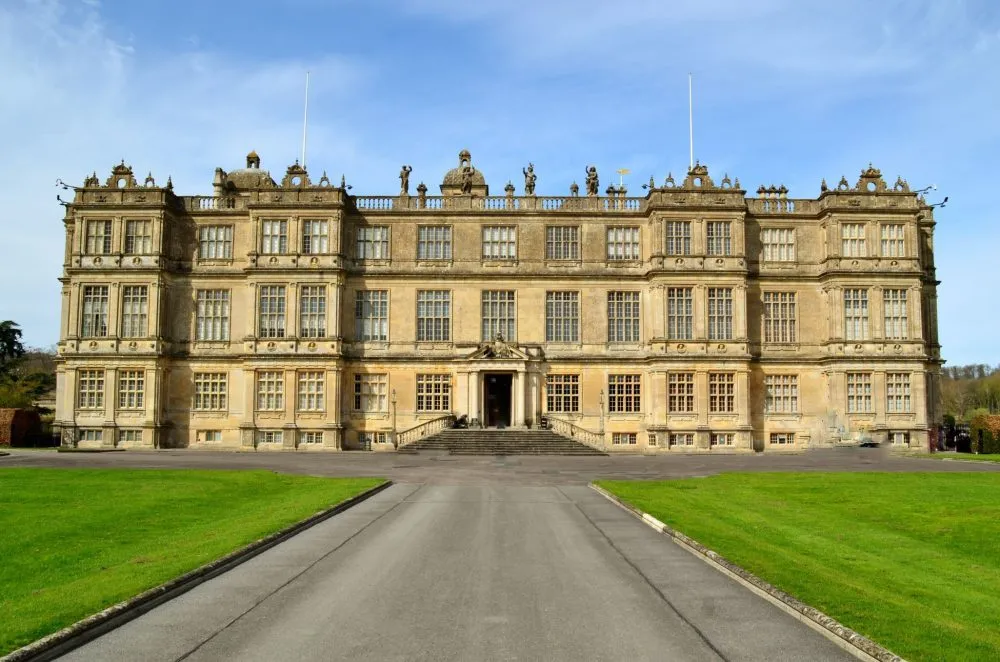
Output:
x=501 y=442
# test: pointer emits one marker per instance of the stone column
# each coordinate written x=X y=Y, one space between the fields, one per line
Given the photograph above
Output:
x=914 y=311
x=462 y=393
x=743 y=397
x=333 y=434
x=153 y=312
x=701 y=396
x=740 y=330
x=114 y=308
x=876 y=314
x=110 y=406
x=700 y=312
x=292 y=310
x=475 y=377
x=518 y=387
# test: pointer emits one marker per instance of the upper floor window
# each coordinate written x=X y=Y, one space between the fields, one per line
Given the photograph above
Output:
x=311 y=388
x=131 y=389
x=719 y=236
x=680 y=313
x=853 y=243
x=371 y=315
x=271 y=313
x=372 y=243
x=210 y=391
x=315 y=237
x=95 y=311
x=778 y=244
x=270 y=390
x=312 y=311
x=562 y=317
x=856 y=314
x=779 y=317
x=135 y=311
x=623 y=243
x=499 y=243
x=274 y=239
x=678 y=237
x=623 y=317
x=720 y=313
x=893 y=240
x=434 y=315
x=98 y=237
x=562 y=242
x=894 y=309
x=138 y=237
x=212 y=315
x=434 y=242
x=215 y=242
x=499 y=314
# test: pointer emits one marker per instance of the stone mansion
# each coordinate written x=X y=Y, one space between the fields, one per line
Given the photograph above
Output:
x=296 y=315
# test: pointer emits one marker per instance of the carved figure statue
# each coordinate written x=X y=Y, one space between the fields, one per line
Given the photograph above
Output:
x=529 y=179
x=404 y=180
x=467 y=172
x=500 y=349
x=592 y=181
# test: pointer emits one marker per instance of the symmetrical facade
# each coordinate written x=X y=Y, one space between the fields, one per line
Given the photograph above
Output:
x=295 y=315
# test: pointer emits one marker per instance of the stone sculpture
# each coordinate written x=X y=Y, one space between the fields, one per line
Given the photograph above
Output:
x=529 y=179
x=404 y=180
x=592 y=181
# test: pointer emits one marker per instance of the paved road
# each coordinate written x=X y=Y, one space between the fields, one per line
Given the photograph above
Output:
x=443 y=469
x=434 y=572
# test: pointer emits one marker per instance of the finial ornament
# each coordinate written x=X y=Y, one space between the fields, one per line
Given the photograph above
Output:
x=823 y=187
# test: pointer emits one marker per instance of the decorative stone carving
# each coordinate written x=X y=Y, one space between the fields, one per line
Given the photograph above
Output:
x=296 y=177
x=593 y=182
x=698 y=177
x=404 y=180
x=121 y=177
x=529 y=179
x=574 y=189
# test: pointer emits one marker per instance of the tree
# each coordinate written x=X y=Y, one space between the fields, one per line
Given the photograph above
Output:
x=11 y=348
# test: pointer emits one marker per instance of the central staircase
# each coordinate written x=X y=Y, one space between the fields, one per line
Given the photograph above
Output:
x=500 y=442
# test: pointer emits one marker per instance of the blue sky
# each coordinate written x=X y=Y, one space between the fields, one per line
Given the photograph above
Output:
x=786 y=92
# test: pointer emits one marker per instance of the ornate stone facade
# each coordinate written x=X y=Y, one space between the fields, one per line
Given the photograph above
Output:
x=295 y=315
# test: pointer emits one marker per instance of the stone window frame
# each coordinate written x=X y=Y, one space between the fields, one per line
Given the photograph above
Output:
x=315 y=236
x=492 y=314
x=778 y=244
x=138 y=231
x=499 y=243
x=857 y=322
x=312 y=310
x=271 y=320
x=720 y=313
x=623 y=243
x=860 y=393
x=376 y=302
x=274 y=236
x=562 y=316
x=680 y=313
x=129 y=435
x=779 y=317
x=898 y=392
x=719 y=238
x=624 y=318
x=680 y=439
x=781 y=439
x=433 y=315
x=371 y=388
x=781 y=393
x=892 y=239
x=367 y=238
x=435 y=242
x=721 y=438
x=678 y=237
x=895 y=313
x=90 y=434
x=310 y=437
x=562 y=243
x=624 y=438
x=269 y=388
x=134 y=315
x=722 y=392
x=562 y=393
x=625 y=393
x=131 y=389
x=90 y=389
x=310 y=390
x=212 y=315
x=681 y=392
x=853 y=239
x=215 y=242
x=94 y=310
x=433 y=391
x=97 y=242
x=269 y=436
x=211 y=391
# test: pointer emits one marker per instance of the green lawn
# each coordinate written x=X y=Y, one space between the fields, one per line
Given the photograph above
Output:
x=909 y=560
x=966 y=456
x=76 y=541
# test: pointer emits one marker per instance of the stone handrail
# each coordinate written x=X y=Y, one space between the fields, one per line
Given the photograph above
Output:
x=780 y=206
x=212 y=203
x=497 y=203
x=424 y=429
x=575 y=432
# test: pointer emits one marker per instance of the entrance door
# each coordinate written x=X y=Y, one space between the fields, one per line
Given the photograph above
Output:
x=498 y=399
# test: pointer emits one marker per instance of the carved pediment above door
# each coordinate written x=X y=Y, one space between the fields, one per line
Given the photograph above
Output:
x=498 y=349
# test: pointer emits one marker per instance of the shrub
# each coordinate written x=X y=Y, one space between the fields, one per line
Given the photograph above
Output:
x=988 y=426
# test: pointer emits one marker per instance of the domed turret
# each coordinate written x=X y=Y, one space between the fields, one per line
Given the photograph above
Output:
x=464 y=179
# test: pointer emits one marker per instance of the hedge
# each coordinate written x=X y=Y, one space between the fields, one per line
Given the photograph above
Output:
x=989 y=426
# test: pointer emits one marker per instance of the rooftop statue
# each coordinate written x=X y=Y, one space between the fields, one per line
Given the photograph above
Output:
x=529 y=179
x=592 y=181
x=404 y=180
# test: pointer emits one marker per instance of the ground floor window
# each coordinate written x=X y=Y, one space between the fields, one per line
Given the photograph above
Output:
x=270 y=436
x=782 y=438
x=721 y=439
x=562 y=393
x=310 y=437
x=91 y=434
x=652 y=439
x=682 y=439
x=899 y=438
x=368 y=438
x=210 y=435
x=623 y=438
x=129 y=435
x=433 y=392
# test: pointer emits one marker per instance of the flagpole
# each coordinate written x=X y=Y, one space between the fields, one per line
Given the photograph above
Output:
x=690 y=123
x=305 y=123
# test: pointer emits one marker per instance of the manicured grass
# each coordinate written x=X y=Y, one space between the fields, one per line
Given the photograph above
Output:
x=909 y=560
x=75 y=541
